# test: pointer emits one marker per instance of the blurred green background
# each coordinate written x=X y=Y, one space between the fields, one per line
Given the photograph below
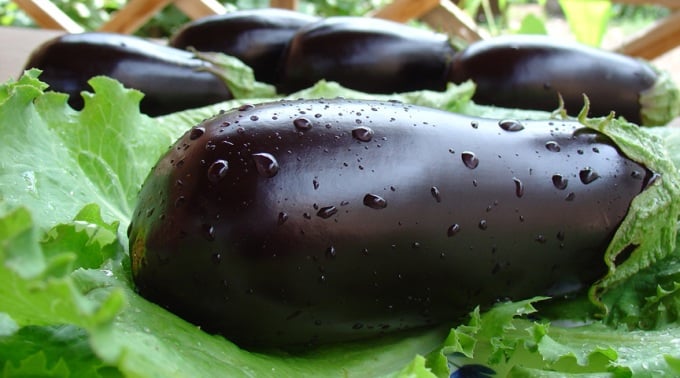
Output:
x=588 y=21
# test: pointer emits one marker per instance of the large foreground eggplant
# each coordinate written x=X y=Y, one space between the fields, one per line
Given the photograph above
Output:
x=316 y=221
x=257 y=37
x=532 y=71
x=366 y=54
x=171 y=79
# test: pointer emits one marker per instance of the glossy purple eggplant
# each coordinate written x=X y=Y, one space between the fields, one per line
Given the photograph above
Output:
x=257 y=37
x=531 y=71
x=366 y=54
x=171 y=79
x=317 y=221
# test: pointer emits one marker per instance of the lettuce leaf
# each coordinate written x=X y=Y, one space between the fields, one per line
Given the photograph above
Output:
x=68 y=182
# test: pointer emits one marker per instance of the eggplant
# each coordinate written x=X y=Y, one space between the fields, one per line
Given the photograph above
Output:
x=257 y=37
x=532 y=71
x=171 y=79
x=366 y=54
x=303 y=222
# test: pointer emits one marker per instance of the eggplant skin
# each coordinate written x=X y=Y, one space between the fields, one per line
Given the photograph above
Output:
x=317 y=221
x=257 y=37
x=531 y=71
x=366 y=54
x=171 y=79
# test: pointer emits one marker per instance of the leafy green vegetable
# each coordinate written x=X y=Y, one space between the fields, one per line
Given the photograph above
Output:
x=68 y=182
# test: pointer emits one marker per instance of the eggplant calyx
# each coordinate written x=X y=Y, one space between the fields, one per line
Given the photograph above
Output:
x=660 y=103
x=236 y=75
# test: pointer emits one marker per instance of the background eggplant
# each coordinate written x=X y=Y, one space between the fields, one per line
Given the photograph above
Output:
x=529 y=71
x=257 y=37
x=316 y=221
x=366 y=54
x=171 y=79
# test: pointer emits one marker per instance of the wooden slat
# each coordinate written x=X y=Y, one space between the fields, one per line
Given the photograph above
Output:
x=404 y=10
x=661 y=38
x=133 y=15
x=48 y=16
x=448 y=18
x=285 y=4
x=196 y=9
x=671 y=4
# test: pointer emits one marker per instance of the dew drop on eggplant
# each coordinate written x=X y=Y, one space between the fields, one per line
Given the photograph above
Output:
x=327 y=212
x=283 y=217
x=374 y=201
x=196 y=132
x=331 y=252
x=510 y=125
x=560 y=182
x=302 y=124
x=217 y=170
x=208 y=232
x=453 y=230
x=216 y=258
x=266 y=164
x=483 y=225
x=553 y=146
x=470 y=159
x=588 y=175
x=436 y=194
x=519 y=187
x=364 y=134
x=245 y=107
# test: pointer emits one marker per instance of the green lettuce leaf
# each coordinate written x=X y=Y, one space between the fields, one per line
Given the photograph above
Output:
x=68 y=183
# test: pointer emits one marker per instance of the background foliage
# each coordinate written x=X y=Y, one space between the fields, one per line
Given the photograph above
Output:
x=588 y=19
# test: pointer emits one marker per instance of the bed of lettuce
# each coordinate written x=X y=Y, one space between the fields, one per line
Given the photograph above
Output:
x=68 y=186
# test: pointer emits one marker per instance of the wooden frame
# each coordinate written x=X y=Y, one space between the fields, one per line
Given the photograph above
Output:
x=442 y=15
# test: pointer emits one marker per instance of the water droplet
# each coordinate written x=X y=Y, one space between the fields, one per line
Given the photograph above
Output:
x=364 y=134
x=357 y=326
x=208 y=232
x=474 y=124
x=560 y=182
x=510 y=125
x=216 y=258
x=435 y=193
x=560 y=235
x=331 y=252
x=540 y=238
x=196 y=132
x=519 y=187
x=553 y=146
x=636 y=175
x=218 y=170
x=283 y=217
x=180 y=201
x=245 y=107
x=302 y=124
x=570 y=196
x=364 y=251
x=327 y=212
x=374 y=201
x=470 y=159
x=149 y=212
x=482 y=224
x=587 y=175
x=266 y=164
x=315 y=183
x=415 y=245
x=254 y=118
x=453 y=230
